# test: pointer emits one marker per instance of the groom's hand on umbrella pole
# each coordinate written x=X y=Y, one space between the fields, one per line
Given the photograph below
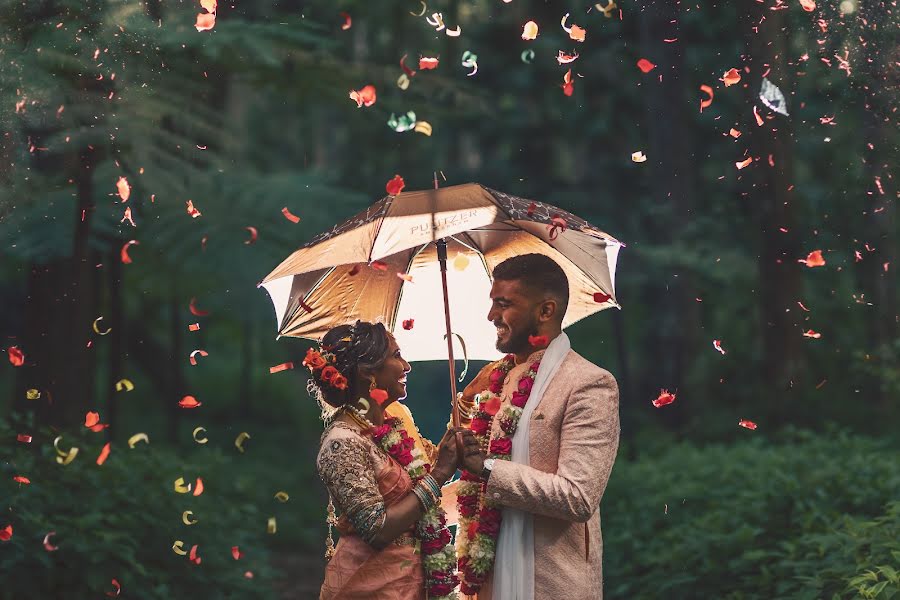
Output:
x=472 y=458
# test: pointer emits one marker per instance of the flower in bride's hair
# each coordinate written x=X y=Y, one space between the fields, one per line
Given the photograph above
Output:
x=328 y=373
x=314 y=360
x=339 y=382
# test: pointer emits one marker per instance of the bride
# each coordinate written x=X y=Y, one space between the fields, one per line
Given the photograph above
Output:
x=383 y=478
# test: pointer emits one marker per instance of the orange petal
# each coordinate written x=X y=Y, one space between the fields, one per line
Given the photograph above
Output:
x=16 y=356
x=123 y=188
x=196 y=311
x=189 y=402
x=705 y=102
x=205 y=21
x=290 y=216
x=577 y=33
x=198 y=488
x=645 y=65
x=104 y=454
x=124 y=252
x=731 y=77
x=91 y=419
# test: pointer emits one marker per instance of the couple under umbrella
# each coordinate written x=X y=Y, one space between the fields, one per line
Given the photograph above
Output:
x=534 y=435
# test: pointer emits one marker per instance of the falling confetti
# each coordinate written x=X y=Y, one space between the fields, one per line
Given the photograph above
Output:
x=645 y=65
x=470 y=61
x=189 y=402
x=813 y=259
x=530 y=31
x=395 y=185
x=771 y=96
x=663 y=399
x=717 y=344
x=747 y=424
x=123 y=189
x=364 y=97
x=16 y=356
x=705 y=102
x=638 y=157
x=731 y=77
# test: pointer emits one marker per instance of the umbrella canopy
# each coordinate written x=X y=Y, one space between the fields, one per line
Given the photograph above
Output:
x=382 y=265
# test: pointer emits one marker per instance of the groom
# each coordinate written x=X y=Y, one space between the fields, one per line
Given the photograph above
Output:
x=544 y=475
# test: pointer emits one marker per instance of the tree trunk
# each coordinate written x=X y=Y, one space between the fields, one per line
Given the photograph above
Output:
x=116 y=323
x=879 y=267
x=780 y=282
x=672 y=190
x=176 y=381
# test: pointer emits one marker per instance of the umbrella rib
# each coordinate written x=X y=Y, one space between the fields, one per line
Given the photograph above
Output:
x=390 y=203
x=412 y=258
x=310 y=292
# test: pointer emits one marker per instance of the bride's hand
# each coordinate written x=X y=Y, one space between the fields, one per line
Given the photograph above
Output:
x=448 y=457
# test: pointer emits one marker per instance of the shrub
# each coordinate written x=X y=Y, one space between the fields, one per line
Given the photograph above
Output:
x=120 y=520
x=807 y=516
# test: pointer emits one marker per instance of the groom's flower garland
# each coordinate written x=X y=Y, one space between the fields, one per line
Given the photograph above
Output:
x=479 y=516
x=438 y=555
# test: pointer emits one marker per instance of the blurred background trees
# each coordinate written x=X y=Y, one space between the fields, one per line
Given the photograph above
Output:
x=253 y=116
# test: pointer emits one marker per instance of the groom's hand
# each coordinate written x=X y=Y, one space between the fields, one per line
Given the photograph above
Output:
x=473 y=458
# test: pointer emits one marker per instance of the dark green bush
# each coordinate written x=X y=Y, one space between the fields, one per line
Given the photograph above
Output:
x=120 y=520
x=809 y=515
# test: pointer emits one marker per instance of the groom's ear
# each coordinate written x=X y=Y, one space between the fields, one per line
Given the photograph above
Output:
x=548 y=310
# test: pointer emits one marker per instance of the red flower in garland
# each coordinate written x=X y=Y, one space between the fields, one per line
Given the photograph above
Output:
x=501 y=446
x=525 y=385
x=489 y=521
x=480 y=426
x=519 y=399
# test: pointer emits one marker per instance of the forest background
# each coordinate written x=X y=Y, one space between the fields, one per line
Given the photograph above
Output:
x=725 y=303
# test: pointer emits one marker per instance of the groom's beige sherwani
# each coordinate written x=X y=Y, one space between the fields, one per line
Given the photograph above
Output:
x=574 y=438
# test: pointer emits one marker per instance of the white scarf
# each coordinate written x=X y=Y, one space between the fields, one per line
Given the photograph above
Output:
x=514 y=560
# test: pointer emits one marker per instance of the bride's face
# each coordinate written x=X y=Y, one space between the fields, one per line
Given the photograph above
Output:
x=391 y=377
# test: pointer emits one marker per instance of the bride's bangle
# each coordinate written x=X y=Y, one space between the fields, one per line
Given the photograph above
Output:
x=424 y=495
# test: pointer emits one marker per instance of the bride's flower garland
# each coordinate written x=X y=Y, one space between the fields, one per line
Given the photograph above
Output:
x=479 y=516
x=438 y=555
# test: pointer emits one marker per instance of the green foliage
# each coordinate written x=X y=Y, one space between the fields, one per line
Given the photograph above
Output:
x=810 y=515
x=120 y=520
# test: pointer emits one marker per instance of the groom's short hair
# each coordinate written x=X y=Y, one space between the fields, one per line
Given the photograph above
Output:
x=540 y=274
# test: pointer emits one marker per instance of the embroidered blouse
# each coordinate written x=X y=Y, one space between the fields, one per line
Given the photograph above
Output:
x=347 y=464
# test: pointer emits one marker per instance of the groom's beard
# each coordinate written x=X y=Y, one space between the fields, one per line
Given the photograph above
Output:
x=518 y=340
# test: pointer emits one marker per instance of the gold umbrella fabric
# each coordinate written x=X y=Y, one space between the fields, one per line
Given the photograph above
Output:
x=353 y=271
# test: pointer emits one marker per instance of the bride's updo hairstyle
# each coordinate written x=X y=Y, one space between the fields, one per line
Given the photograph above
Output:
x=348 y=349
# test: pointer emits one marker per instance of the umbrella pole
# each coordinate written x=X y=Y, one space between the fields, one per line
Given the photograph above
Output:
x=442 y=259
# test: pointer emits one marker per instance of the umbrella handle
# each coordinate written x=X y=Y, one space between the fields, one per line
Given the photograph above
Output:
x=454 y=410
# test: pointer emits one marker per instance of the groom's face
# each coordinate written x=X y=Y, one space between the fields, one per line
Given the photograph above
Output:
x=514 y=312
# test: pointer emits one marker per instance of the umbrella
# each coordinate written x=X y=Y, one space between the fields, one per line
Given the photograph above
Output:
x=384 y=264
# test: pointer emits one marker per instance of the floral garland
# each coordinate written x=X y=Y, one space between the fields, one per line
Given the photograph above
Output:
x=438 y=555
x=479 y=516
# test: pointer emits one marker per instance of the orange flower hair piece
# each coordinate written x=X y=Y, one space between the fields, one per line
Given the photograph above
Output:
x=323 y=363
